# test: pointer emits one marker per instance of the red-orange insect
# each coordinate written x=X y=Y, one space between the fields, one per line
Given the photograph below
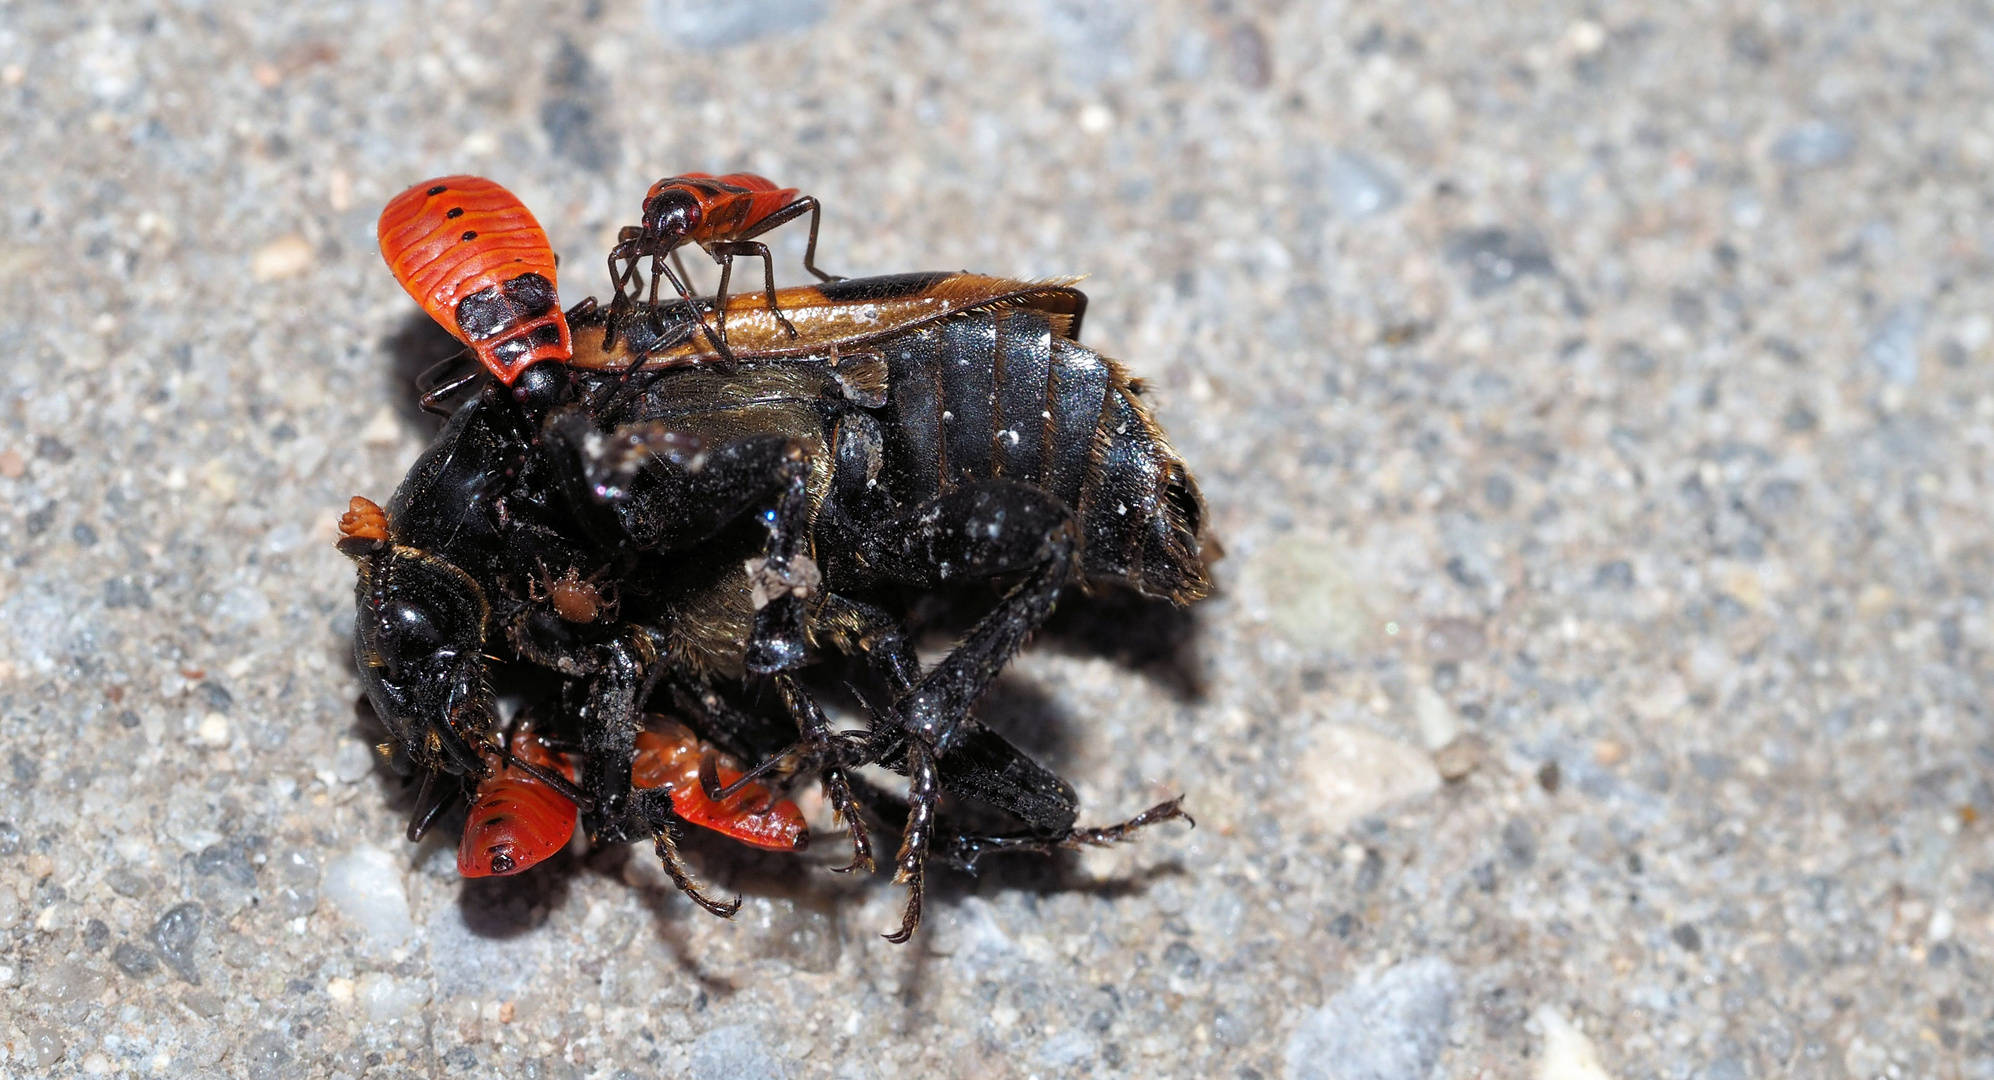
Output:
x=517 y=819
x=478 y=262
x=723 y=215
x=670 y=759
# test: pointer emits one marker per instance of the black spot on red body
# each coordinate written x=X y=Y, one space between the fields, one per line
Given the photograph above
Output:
x=470 y=236
x=438 y=190
x=454 y=212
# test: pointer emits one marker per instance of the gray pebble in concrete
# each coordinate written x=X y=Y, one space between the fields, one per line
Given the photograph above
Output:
x=1813 y=145
x=734 y=1052
x=265 y=1057
x=1358 y=187
x=1494 y=259
x=134 y=961
x=174 y=936
x=228 y=860
x=1386 y=1026
x=1893 y=347
x=1519 y=843
x=717 y=24
x=127 y=883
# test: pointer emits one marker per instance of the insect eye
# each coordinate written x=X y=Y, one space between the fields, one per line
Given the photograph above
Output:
x=410 y=629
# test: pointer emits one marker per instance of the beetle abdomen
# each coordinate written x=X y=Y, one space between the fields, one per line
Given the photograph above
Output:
x=1006 y=393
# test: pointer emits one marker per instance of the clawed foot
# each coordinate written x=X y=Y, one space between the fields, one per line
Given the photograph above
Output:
x=668 y=853
x=924 y=796
x=1168 y=810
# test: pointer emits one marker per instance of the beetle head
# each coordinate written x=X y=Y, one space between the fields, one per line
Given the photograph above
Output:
x=419 y=633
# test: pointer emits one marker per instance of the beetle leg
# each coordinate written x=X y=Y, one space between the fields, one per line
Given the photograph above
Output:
x=817 y=735
x=982 y=765
x=665 y=836
x=965 y=848
x=924 y=796
x=979 y=529
x=609 y=719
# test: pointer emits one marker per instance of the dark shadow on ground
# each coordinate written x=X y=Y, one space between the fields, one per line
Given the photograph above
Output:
x=506 y=907
x=416 y=345
x=1142 y=633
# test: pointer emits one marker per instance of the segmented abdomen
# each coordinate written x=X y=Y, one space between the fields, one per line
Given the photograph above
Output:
x=1006 y=393
x=478 y=262
x=517 y=819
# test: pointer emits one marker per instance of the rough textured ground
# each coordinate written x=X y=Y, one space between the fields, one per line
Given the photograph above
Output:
x=1594 y=404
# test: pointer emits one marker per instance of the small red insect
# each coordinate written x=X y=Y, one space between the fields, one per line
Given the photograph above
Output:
x=670 y=759
x=723 y=215
x=478 y=262
x=517 y=819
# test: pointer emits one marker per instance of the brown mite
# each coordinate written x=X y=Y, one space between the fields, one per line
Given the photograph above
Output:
x=574 y=598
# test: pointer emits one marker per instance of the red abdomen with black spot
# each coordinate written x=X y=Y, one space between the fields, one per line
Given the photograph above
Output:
x=478 y=262
x=517 y=819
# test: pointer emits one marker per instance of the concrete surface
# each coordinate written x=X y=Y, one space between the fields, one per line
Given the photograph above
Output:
x=1593 y=401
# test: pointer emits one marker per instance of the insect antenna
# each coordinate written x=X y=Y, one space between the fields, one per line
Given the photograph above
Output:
x=709 y=777
x=554 y=780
